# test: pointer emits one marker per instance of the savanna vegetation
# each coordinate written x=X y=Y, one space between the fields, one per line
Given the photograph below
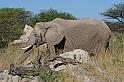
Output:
x=12 y=21
x=115 y=17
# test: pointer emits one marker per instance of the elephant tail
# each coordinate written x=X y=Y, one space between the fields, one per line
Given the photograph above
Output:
x=108 y=43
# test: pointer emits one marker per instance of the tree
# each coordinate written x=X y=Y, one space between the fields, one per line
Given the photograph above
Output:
x=49 y=15
x=12 y=21
x=116 y=12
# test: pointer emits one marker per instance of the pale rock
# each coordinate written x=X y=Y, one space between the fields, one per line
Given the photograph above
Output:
x=78 y=73
x=87 y=79
x=9 y=78
x=84 y=72
x=36 y=79
x=4 y=74
x=16 y=78
x=78 y=54
x=25 y=80
x=24 y=38
x=58 y=68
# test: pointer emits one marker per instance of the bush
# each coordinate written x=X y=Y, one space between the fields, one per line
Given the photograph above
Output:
x=44 y=76
x=12 y=21
x=49 y=15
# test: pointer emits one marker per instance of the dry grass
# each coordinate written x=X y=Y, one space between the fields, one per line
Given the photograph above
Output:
x=12 y=54
x=112 y=62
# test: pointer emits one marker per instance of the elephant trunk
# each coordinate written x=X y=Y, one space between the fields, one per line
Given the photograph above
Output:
x=27 y=49
x=33 y=40
x=40 y=40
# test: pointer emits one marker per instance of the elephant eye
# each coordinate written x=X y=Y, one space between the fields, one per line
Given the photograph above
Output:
x=47 y=28
x=36 y=35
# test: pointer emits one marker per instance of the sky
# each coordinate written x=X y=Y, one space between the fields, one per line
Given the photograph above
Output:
x=78 y=8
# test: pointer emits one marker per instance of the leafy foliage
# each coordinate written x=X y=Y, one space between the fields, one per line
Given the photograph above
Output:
x=49 y=15
x=116 y=12
x=12 y=21
x=44 y=76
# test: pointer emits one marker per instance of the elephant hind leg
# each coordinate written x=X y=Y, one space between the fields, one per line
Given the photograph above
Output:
x=96 y=44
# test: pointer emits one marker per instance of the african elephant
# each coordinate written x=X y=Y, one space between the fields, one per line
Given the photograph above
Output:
x=62 y=35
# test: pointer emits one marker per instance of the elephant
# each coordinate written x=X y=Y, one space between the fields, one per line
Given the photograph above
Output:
x=62 y=35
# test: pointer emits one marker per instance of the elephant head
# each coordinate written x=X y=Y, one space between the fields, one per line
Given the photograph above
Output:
x=43 y=32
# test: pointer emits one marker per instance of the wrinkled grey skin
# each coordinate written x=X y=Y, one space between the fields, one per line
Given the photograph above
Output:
x=62 y=35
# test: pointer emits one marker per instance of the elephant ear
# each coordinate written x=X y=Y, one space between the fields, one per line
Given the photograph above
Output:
x=53 y=34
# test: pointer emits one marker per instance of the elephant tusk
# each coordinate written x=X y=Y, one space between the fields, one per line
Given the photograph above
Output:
x=26 y=47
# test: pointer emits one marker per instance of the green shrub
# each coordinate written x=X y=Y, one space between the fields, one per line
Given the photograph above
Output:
x=44 y=75
x=49 y=15
x=12 y=21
